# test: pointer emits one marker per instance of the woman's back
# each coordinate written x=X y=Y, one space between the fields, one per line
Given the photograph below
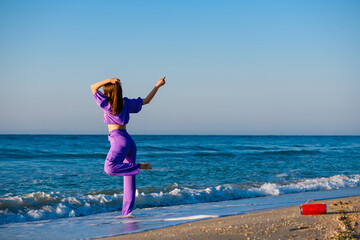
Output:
x=130 y=106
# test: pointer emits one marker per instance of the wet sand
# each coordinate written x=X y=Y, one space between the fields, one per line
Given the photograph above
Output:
x=342 y=221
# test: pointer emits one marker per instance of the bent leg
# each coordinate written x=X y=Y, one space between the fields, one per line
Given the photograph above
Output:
x=129 y=194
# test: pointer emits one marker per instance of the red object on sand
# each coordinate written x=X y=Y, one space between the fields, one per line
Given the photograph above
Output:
x=312 y=208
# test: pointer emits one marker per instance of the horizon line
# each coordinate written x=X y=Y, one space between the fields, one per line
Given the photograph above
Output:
x=178 y=134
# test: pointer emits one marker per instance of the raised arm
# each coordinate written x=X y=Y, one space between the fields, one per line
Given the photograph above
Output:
x=96 y=86
x=151 y=95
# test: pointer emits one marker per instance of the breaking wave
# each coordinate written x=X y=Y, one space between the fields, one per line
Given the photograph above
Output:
x=40 y=205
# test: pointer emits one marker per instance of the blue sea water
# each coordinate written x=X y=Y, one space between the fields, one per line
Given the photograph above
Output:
x=47 y=177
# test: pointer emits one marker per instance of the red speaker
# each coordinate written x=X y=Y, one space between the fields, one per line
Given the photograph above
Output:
x=312 y=208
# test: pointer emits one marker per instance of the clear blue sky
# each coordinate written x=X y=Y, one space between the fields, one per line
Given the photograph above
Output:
x=232 y=67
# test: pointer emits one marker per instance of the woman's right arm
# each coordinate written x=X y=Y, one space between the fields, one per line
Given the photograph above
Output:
x=95 y=87
x=152 y=93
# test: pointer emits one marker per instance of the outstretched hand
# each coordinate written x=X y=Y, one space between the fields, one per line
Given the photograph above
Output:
x=150 y=96
x=161 y=82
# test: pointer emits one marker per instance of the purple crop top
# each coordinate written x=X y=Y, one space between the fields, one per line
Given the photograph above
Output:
x=130 y=106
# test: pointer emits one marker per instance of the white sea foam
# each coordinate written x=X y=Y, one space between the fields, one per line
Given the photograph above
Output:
x=194 y=217
x=41 y=205
x=282 y=175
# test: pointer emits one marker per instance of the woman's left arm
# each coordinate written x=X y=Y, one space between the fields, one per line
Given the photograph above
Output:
x=95 y=87
x=151 y=95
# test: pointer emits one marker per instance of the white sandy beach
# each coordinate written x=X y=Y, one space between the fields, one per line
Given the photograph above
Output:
x=342 y=221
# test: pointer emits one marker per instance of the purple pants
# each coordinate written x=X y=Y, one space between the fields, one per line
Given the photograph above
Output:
x=121 y=160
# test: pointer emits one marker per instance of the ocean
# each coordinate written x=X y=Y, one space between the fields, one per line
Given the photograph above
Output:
x=60 y=178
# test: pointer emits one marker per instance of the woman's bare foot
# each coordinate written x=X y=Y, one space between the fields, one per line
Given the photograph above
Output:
x=145 y=166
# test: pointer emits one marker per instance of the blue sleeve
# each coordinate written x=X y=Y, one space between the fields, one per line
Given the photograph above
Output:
x=135 y=105
x=102 y=101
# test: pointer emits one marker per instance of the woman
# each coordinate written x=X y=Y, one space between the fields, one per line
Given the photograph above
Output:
x=122 y=155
